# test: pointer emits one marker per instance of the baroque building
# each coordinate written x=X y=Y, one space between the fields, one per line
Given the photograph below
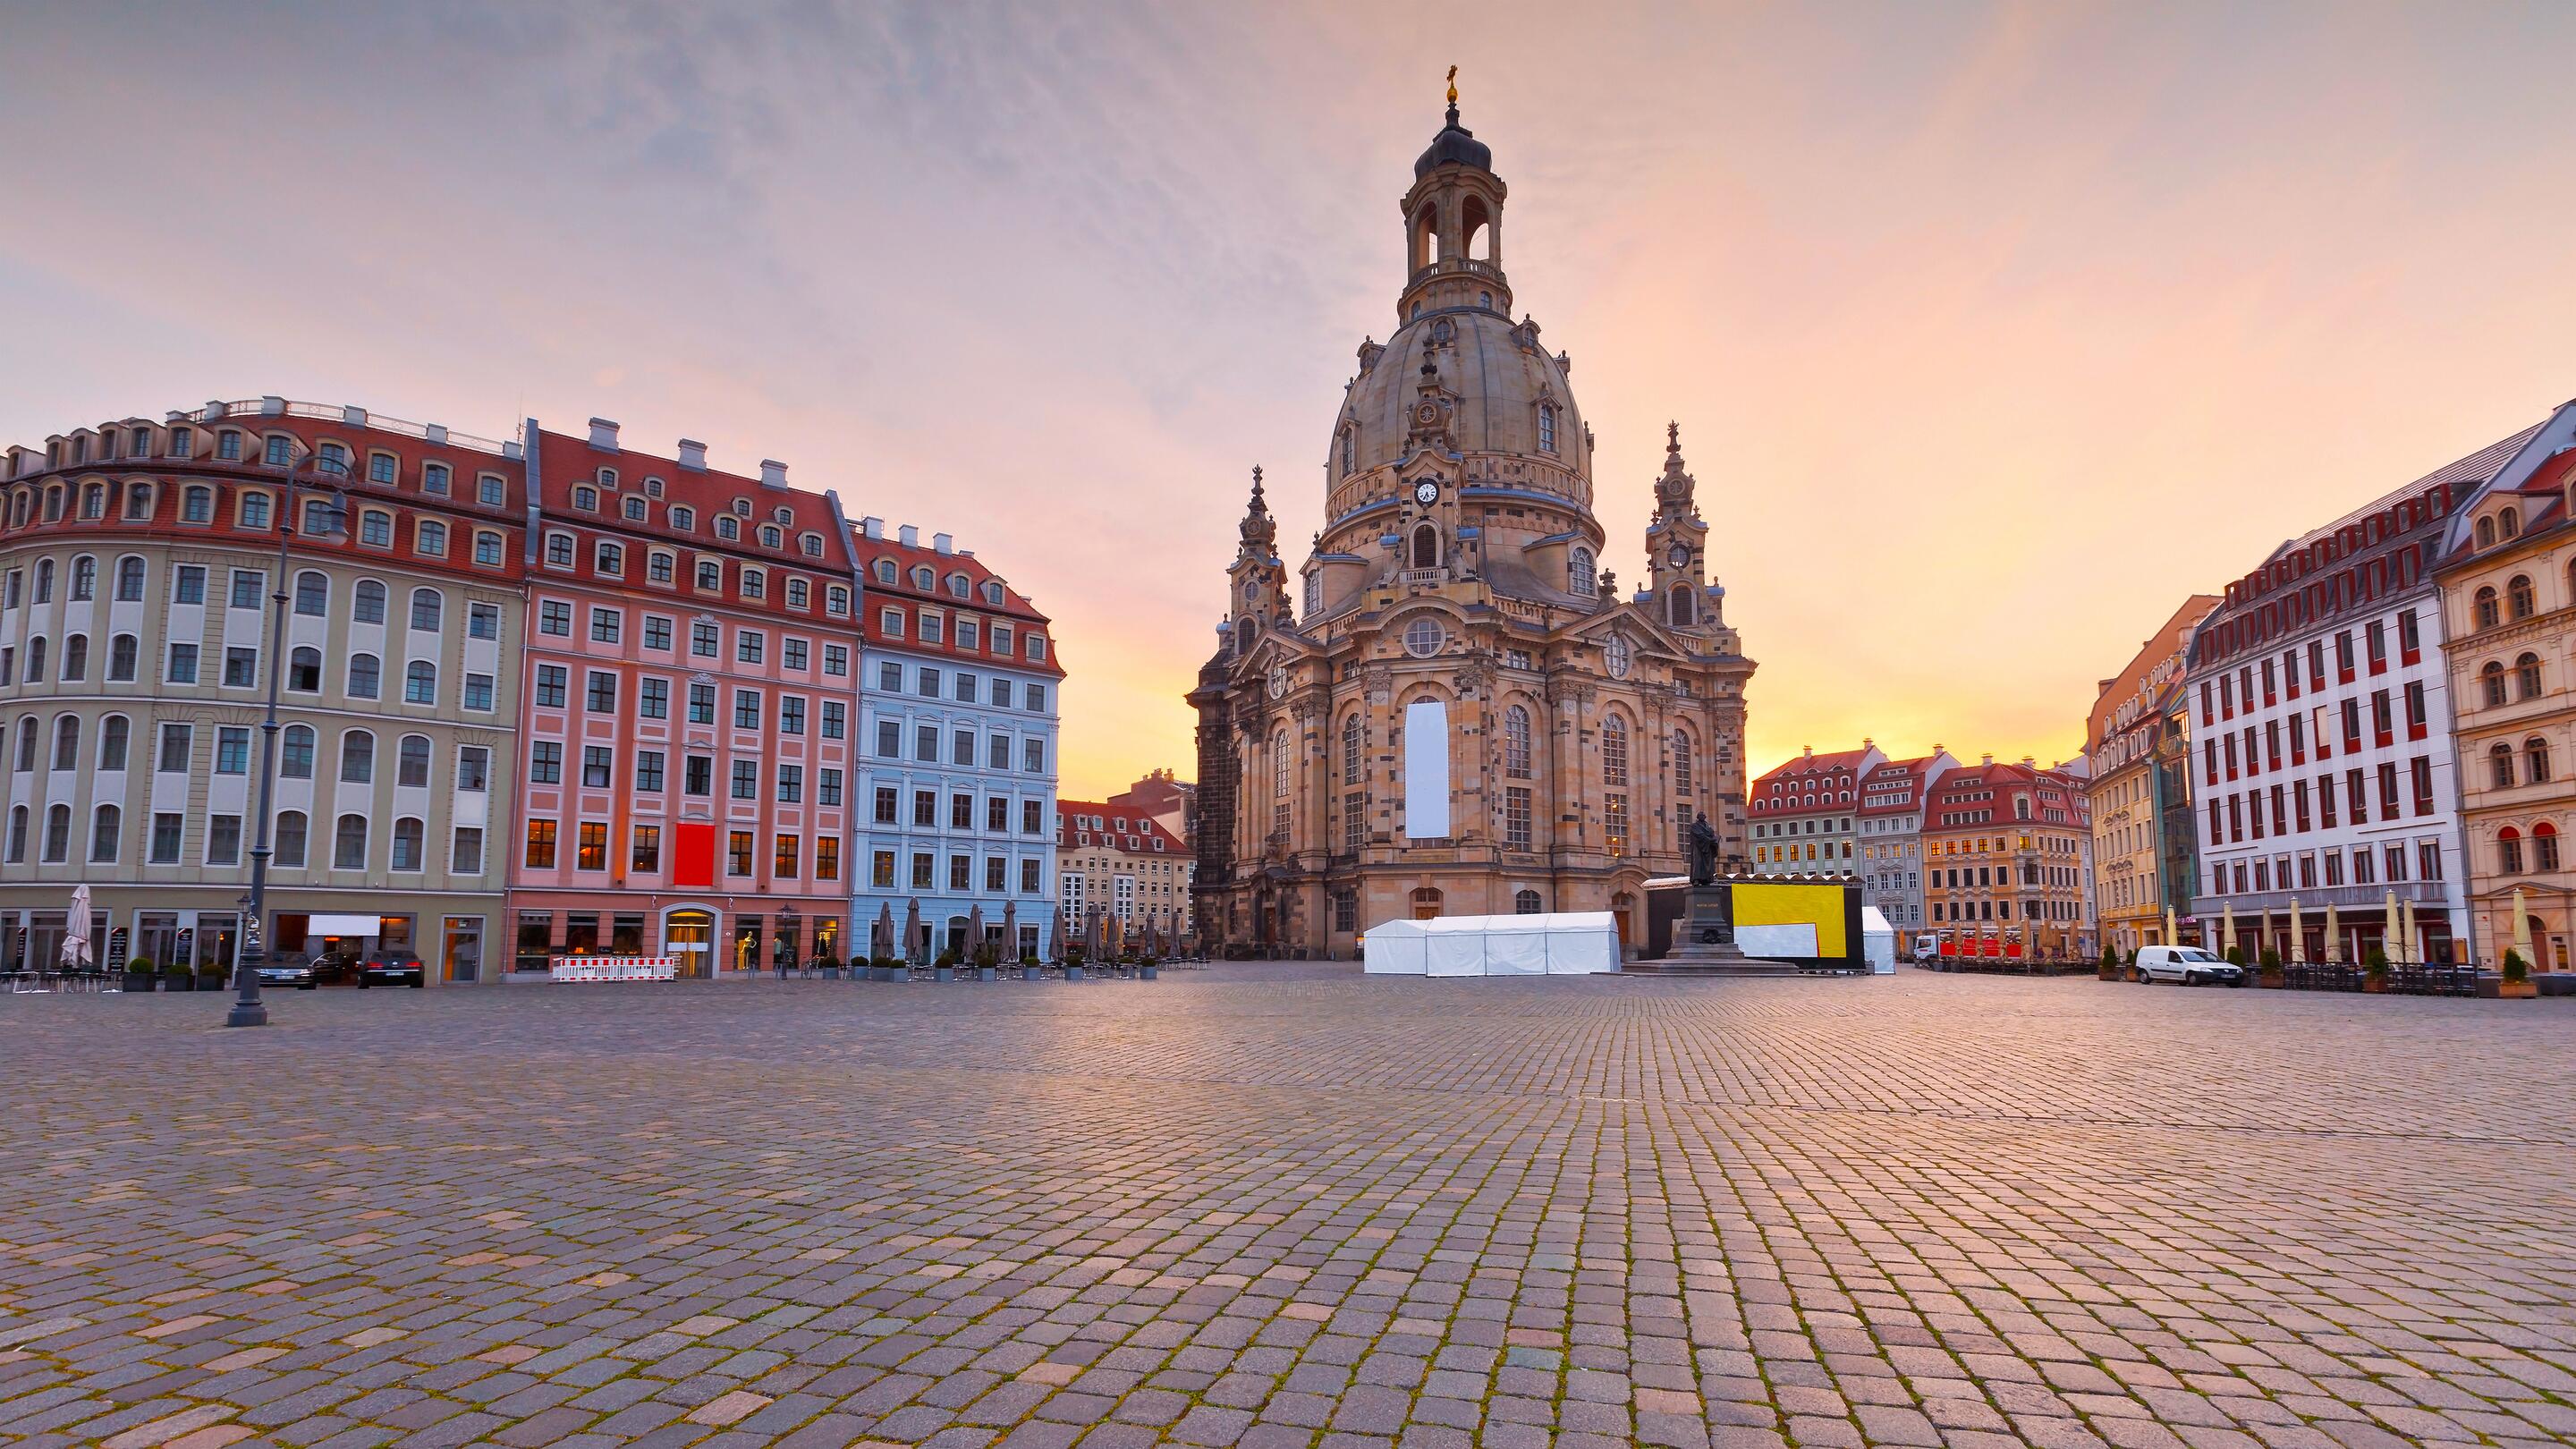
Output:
x=2135 y=826
x=139 y=602
x=1802 y=812
x=1453 y=710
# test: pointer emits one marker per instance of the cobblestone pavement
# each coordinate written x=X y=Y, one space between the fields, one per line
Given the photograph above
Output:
x=1291 y=1206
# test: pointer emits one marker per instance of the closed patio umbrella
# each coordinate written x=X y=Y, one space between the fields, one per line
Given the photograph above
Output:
x=1057 y=942
x=881 y=934
x=76 y=928
x=974 y=930
x=2521 y=928
x=2170 y=938
x=2334 y=933
x=2226 y=927
x=2406 y=928
x=2389 y=940
x=2298 y=931
x=1011 y=929
x=912 y=929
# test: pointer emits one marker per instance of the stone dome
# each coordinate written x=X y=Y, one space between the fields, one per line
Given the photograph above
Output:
x=1500 y=374
x=1454 y=143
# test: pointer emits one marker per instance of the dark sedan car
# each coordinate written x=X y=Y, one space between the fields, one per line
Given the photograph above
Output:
x=295 y=968
x=394 y=967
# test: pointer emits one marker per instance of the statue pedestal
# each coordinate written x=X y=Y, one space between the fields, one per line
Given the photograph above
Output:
x=1704 y=943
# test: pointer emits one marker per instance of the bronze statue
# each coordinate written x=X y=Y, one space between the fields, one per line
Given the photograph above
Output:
x=1703 y=851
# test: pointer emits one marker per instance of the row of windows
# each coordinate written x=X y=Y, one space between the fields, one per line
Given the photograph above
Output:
x=967 y=636
x=2230 y=818
x=961 y=811
x=929 y=680
x=750 y=646
x=175 y=752
x=224 y=843
x=2224 y=694
x=681 y=518
x=961 y=874
x=962 y=748
x=598 y=771
x=787 y=855
x=600 y=695
x=706 y=575
x=253 y=510
x=2311 y=726
x=2370 y=865
x=924 y=578
x=362 y=677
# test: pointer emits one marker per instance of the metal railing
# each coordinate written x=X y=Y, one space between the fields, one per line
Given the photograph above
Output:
x=250 y=410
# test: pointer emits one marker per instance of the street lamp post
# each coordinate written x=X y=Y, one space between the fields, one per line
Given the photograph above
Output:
x=247 y=1008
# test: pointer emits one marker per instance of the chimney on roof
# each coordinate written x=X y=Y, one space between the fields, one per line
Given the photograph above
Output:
x=908 y=536
x=943 y=543
x=603 y=435
x=1808 y=753
x=871 y=528
x=2027 y=762
x=272 y=406
x=693 y=455
x=773 y=474
x=214 y=409
x=1985 y=759
x=1867 y=743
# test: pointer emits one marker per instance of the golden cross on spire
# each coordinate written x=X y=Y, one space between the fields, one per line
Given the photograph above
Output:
x=1453 y=85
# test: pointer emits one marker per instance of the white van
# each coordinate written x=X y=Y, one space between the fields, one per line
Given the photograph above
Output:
x=2190 y=965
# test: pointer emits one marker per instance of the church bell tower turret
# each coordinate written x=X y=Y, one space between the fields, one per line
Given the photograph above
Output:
x=1259 y=581
x=1677 y=544
x=1453 y=225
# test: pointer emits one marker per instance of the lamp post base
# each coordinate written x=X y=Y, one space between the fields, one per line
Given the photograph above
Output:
x=247 y=1013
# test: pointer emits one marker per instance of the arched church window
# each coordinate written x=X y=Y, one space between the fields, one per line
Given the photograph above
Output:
x=1351 y=749
x=1525 y=903
x=1578 y=572
x=1423 y=637
x=1614 y=751
x=1279 y=765
x=1547 y=427
x=1681 y=762
x=1314 y=594
x=1516 y=743
x=1243 y=636
x=1350 y=448
x=1682 y=611
x=1426 y=547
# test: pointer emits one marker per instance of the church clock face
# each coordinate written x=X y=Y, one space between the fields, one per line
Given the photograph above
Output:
x=1427 y=492
x=1615 y=656
x=1278 y=680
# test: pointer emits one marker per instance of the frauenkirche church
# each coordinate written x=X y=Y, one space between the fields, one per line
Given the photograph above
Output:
x=1451 y=710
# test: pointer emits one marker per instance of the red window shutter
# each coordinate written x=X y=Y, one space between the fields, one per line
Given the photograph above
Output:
x=693 y=854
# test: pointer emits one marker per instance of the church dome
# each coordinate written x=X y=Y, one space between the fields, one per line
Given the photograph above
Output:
x=1455 y=144
x=1512 y=394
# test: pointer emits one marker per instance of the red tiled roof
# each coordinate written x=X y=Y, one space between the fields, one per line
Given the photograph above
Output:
x=909 y=597
x=1834 y=772
x=1884 y=779
x=1138 y=837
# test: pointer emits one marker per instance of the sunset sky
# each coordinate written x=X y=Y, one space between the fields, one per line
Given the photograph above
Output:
x=1992 y=332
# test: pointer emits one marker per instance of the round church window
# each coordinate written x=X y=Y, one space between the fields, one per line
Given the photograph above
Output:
x=1423 y=638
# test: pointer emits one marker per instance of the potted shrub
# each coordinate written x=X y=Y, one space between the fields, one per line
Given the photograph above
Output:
x=2270 y=969
x=141 y=975
x=1030 y=967
x=1150 y=968
x=988 y=959
x=830 y=965
x=944 y=966
x=177 y=977
x=1073 y=963
x=2109 y=967
x=2515 y=982
x=2374 y=971
x=211 y=976
x=2236 y=955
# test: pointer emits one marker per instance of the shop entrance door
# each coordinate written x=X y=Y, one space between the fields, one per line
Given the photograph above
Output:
x=686 y=938
x=464 y=948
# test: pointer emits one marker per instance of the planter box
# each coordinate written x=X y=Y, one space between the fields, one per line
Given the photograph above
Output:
x=2556 y=983
x=988 y=973
x=1072 y=973
x=178 y=983
x=2496 y=988
x=137 y=981
x=1152 y=973
x=943 y=973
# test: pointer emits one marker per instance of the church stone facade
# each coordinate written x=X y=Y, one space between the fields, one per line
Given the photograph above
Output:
x=1450 y=709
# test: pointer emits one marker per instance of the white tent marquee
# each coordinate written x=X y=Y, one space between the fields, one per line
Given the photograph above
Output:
x=1571 y=944
x=1878 y=941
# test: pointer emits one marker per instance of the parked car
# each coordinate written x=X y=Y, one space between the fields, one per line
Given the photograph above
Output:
x=2190 y=965
x=394 y=967
x=294 y=968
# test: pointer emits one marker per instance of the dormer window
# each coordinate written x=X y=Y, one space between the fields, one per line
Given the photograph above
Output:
x=923 y=579
x=771 y=537
x=585 y=498
x=633 y=508
x=608 y=479
x=992 y=593
x=782 y=514
x=811 y=545
x=2509 y=522
x=885 y=571
x=382 y=469
x=1547 y=427
x=228 y=444
x=652 y=487
x=957 y=586
x=726 y=528
x=742 y=507
x=433 y=479
x=683 y=519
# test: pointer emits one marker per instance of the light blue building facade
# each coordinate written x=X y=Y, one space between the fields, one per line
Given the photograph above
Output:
x=958 y=698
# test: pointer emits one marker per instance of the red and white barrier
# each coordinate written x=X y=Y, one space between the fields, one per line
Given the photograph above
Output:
x=613 y=968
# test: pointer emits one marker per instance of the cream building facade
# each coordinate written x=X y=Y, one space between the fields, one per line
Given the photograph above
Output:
x=2124 y=741
x=1453 y=710
x=1122 y=863
x=138 y=571
x=2508 y=583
